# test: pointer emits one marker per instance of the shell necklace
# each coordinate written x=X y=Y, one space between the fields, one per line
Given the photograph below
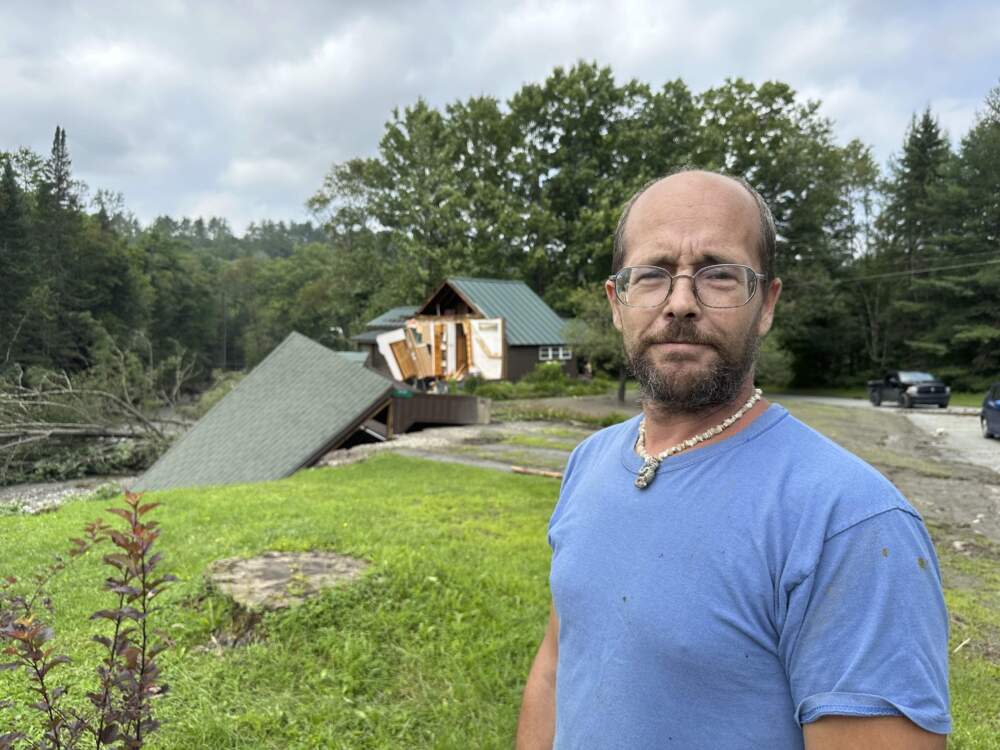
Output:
x=652 y=463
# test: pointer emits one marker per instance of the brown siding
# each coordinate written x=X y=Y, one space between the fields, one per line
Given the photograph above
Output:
x=375 y=359
x=429 y=408
x=522 y=359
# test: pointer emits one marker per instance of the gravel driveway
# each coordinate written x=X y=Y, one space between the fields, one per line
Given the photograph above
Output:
x=958 y=437
x=954 y=431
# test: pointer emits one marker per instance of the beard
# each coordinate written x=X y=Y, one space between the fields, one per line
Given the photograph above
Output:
x=692 y=392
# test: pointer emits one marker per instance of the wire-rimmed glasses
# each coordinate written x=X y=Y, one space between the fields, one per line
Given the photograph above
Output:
x=721 y=285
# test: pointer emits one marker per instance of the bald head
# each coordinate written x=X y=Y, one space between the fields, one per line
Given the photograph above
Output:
x=743 y=204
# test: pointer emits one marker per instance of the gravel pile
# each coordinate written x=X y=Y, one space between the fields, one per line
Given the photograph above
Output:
x=47 y=496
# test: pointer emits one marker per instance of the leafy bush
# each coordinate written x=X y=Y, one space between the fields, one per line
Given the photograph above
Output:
x=546 y=373
x=55 y=460
x=223 y=383
x=121 y=712
x=547 y=380
x=774 y=365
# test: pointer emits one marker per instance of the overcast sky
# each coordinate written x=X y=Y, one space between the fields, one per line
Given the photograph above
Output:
x=238 y=109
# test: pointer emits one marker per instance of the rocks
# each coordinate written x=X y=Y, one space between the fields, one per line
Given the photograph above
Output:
x=44 y=497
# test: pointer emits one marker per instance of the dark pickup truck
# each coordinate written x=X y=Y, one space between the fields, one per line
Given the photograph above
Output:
x=909 y=388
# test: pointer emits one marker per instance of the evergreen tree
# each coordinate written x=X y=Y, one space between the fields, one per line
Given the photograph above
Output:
x=68 y=328
x=973 y=320
x=913 y=218
x=15 y=263
x=901 y=304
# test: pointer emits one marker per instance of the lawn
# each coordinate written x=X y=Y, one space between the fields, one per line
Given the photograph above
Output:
x=958 y=398
x=429 y=650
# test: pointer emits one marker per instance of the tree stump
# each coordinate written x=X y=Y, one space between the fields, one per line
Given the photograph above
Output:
x=276 y=580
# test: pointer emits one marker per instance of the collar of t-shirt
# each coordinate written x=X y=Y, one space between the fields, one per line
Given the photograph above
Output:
x=630 y=434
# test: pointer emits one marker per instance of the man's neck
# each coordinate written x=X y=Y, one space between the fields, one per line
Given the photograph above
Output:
x=666 y=428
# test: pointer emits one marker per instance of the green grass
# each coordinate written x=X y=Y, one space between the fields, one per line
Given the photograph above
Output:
x=972 y=593
x=514 y=457
x=527 y=411
x=430 y=649
x=958 y=398
x=568 y=433
x=543 y=441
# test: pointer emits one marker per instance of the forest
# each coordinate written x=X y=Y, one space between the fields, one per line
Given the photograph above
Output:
x=893 y=267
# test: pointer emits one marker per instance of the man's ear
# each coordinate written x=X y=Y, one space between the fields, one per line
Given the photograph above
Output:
x=771 y=295
x=609 y=289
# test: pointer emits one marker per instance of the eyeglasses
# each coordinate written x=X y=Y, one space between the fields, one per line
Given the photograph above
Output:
x=722 y=285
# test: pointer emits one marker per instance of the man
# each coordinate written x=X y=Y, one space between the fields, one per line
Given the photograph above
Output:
x=722 y=575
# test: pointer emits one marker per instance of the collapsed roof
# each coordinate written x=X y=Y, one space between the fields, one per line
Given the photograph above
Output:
x=300 y=402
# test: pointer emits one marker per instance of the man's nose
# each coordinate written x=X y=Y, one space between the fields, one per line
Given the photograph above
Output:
x=682 y=302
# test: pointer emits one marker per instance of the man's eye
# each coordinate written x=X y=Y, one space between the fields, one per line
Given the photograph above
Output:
x=720 y=275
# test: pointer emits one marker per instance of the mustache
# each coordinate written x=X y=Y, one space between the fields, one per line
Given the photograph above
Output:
x=678 y=332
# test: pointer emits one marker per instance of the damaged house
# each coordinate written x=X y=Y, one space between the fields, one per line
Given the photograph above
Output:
x=491 y=328
x=302 y=401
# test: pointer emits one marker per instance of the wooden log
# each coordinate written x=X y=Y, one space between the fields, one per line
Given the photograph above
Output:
x=536 y=472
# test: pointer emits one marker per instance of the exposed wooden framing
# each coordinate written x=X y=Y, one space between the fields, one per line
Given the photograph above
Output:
x=467 y=330
x=456 y=292
x=348 y=431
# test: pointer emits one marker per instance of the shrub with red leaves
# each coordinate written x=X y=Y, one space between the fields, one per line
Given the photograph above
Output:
x=128 y=678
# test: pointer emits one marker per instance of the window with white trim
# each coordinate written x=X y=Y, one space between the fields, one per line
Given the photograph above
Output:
x=549 y=353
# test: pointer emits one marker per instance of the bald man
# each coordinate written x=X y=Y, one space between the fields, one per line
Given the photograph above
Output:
x=722 y=575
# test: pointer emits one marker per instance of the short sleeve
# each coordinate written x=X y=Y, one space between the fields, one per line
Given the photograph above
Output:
x=567 y=480
x=866 y=633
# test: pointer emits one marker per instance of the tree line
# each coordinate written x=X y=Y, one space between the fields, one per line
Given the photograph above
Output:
x=899 y=268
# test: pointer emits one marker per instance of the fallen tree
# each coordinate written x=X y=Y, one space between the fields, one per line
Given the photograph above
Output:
x=111 y=418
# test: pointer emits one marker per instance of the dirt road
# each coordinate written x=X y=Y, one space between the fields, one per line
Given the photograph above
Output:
x=959 y=437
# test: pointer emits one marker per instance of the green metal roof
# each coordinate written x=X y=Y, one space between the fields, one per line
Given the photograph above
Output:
x=528 y=321
x=394 y=318
x=356 y=357
x=369 y=337
x=282 y=416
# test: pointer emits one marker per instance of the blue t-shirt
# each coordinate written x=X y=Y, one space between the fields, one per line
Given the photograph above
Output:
x=757 y=584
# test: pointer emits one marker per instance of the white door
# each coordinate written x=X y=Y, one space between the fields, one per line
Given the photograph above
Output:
x=487 y=347
x=385 y=343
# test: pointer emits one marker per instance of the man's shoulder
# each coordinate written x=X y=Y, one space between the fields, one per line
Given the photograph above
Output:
x=820 y=472
x=815 y=452
x=606 y=437
x=604 y=445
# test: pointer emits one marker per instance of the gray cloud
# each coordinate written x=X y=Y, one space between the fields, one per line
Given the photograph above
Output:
x=239 y=108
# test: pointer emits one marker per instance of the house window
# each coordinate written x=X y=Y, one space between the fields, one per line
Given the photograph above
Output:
x=549 y=353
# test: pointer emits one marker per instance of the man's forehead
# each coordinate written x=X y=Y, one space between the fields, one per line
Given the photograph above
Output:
x=693 y=203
